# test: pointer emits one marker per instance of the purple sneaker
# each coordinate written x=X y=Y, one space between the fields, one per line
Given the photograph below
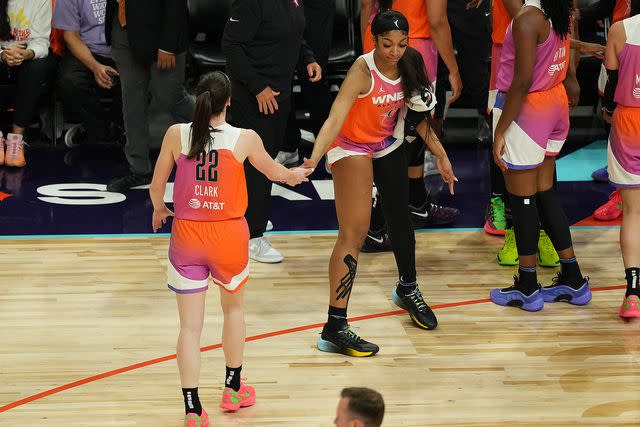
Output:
x=376 y=242
x=430 y=214
x=558 y=292
x=601 y=175
x=512 y=297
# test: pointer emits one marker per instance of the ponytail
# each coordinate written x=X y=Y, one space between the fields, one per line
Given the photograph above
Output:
x=559 y=12
x=212 y=93
x=413 y=72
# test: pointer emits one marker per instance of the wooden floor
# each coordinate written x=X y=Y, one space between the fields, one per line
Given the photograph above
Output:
x=74 y=308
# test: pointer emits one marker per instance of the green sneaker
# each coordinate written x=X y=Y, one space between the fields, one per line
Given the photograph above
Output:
x=494 y=220
x=508 y=255
x=547 y=255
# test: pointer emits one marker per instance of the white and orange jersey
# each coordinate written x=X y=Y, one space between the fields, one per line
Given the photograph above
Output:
x=373 y=115
x=211 y=186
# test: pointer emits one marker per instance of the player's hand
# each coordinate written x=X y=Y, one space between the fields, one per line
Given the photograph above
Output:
x=298 y=176
x=102 y=74
x=160 y=218
x=573 y=91
x=446 y=171
x=592 y=49
x=498 y=151
x=13 y=55
x=474 y=4
x=166 y=60
x=456 y=86
x=315 y=72
x=606 y=117
x=267 y=103
x=309 y=163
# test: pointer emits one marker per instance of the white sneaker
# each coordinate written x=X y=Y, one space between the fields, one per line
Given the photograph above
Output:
x=269 y=226
x=285 y=158
x=260 y=250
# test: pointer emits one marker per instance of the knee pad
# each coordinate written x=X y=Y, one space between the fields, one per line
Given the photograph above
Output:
x=525 y=223
x=553 y=219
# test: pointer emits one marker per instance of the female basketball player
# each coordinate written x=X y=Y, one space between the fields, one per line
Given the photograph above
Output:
x=532 y=114
x=359 y=129
x=209 y=237
x=622 y=100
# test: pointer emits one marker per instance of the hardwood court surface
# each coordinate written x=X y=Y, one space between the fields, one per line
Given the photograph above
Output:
x=74 y=308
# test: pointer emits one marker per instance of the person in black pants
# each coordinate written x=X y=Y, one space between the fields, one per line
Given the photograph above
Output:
x=319 y=16
x=86 y=73
x=471 y=32
x=262 y=46
x=148 y=41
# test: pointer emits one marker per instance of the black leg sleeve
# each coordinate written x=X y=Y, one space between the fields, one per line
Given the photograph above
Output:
x=392 y=181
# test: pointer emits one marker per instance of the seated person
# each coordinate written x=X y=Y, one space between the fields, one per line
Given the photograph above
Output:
x=25 y=26
x=86 y=72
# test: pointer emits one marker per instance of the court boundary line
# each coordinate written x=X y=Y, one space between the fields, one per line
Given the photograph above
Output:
x=273 y=233
x=262 y=336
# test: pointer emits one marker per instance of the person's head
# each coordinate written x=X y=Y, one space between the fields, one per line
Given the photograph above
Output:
x=390 y=31
x=213 y=96
x=359 y=407
x=5 y=28
x=559 y=12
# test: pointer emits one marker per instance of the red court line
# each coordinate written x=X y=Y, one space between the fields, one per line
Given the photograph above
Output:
x=114 y=372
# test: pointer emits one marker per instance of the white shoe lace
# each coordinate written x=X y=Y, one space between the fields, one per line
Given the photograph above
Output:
x=263 y=246
x=14 y=148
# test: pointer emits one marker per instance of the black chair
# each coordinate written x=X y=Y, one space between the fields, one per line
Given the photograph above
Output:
x=343 y=50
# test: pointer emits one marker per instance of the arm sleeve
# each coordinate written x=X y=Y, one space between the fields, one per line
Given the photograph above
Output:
x=66 y=15
x=173 y=25
x=41 y=30
x=610 y=90
x=242 y=26
x=306 y=54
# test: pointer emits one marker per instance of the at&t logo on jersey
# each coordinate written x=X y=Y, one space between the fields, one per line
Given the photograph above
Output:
x=194 y=204
x=557 y=67
x=636 y=90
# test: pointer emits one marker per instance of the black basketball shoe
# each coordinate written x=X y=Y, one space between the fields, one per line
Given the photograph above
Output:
x=345 y=341
x=418 y=309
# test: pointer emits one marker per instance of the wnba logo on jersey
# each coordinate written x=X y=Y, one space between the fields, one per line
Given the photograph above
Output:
x=556 y=67
x=388 y=98
x=194 y=204
x=636 y=90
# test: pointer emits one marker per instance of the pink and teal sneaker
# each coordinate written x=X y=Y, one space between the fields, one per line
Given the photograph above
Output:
x=195 y=420
x=233 y=400
x=630 y=307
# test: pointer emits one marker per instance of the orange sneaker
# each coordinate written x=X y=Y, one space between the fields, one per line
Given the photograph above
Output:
x=15 y=151
x=1 y=149
x=610 y=210
x=195 y=420
x=233 y=400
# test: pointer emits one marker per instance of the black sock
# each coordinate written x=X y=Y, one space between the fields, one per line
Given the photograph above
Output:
x=633 y=281
x=527 y=280
x=570 y=272
x=417 y=192
x=405 y=288
x=508 y=218
x=337 y=319
x=232 y=378
x=191 y=401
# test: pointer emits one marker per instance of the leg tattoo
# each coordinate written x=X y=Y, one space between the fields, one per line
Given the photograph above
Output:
x=346 y=283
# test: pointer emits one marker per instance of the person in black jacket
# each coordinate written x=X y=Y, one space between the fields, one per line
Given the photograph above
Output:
x=262 y=42
x=148 y=39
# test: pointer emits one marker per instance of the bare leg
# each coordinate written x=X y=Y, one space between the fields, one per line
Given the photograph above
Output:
x=191 y=309
x=352 y=181
x=234 y=328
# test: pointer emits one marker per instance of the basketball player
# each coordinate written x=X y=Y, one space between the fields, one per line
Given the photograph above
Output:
x=622 y=111
x=360 y=128
x=532 y=122
x=210 y=237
